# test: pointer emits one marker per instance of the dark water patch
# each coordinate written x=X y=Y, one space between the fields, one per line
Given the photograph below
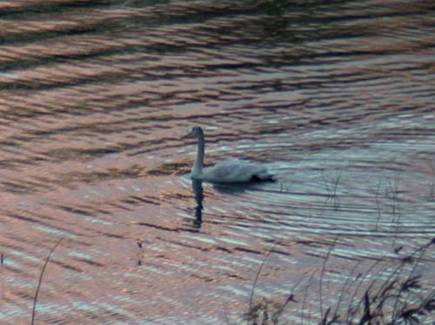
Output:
x=50 y=7
x=69 y=267
x=110 y=235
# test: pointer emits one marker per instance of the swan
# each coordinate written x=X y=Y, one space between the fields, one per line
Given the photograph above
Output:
x=227 y=171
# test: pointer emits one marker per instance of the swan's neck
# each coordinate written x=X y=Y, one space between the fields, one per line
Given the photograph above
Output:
x=199 y=162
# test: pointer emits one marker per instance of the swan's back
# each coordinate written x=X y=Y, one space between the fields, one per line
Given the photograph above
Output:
x=236 y=171
x=228 y=171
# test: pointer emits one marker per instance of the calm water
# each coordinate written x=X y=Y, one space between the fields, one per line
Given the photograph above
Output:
x=97 y=98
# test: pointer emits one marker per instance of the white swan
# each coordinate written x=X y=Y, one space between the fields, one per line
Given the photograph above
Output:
x=227 y=171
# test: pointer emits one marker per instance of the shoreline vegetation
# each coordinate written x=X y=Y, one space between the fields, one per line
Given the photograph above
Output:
x=389 y=291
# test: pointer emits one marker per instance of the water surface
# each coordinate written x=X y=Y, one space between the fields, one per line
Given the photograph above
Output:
x=96 y=99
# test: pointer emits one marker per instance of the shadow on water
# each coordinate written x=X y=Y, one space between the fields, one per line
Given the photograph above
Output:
x=237 y=188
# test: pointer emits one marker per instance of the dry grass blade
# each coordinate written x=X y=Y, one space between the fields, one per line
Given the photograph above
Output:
x=254 y=285
x=351 y=311
x=322 y=273
x=305 y=297
x=335 y=314
x=41 y=275
x=290 y=297
x=367 y=316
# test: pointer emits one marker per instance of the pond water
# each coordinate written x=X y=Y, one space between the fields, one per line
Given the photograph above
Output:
x=97 y=97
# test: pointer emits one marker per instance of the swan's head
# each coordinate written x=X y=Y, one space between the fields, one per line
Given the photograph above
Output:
x=197 y=131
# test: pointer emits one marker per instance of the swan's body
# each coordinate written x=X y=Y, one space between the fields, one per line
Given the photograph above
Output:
x=227 y=171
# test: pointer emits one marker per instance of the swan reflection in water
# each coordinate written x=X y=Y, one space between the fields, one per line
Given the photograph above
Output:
x=199 y=198
x=198 y=192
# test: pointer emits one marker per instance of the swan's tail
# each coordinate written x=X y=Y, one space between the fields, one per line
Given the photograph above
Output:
x=264 y=177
